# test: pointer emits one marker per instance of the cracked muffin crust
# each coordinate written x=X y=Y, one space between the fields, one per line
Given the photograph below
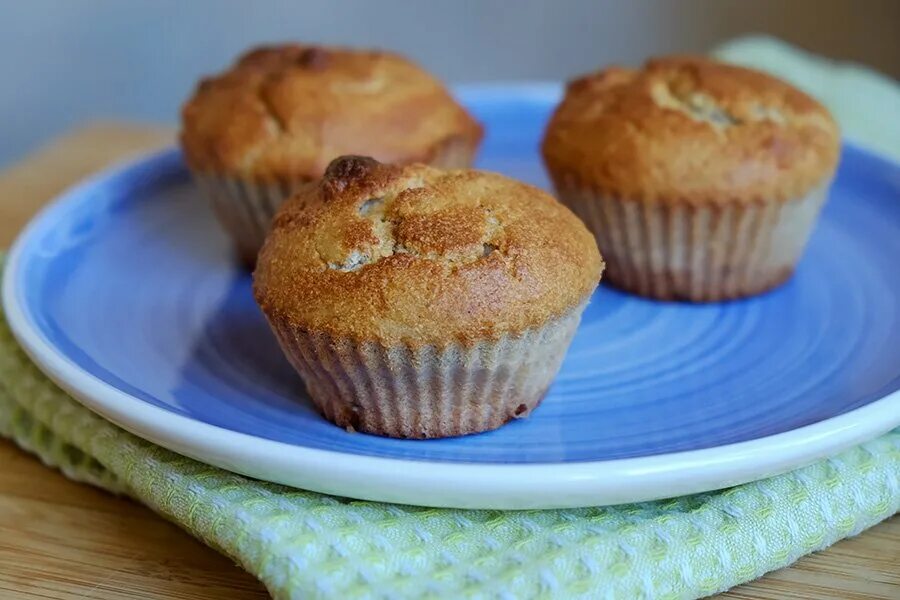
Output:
x=277 y=117
x=701 y=181
x=423 y=256
x=417 y=302
x=286 y=111
x=692 y=130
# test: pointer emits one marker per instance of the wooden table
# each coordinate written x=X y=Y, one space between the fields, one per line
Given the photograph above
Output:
x=59 y=539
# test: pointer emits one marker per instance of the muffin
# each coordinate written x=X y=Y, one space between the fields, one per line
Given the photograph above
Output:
x=422 y=303
x=701 y=181
x=278 y=116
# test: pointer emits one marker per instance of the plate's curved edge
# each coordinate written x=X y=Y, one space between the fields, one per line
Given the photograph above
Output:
x=461 y=485
x=517 y=486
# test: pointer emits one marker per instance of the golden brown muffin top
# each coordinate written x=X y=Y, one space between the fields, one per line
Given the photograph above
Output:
x=690 y=129
x=418 y=255
x=286 y=111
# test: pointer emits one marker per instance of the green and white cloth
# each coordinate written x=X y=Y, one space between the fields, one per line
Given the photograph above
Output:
x=308 y=545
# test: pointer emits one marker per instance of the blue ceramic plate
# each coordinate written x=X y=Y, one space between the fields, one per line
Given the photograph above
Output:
x=124 y=291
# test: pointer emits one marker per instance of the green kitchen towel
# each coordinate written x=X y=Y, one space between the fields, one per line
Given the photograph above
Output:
x=308 y=545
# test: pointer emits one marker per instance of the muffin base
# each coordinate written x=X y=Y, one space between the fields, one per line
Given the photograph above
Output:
x=246 y=207
x=407 y=391
x=671 y=250
x=456 y=152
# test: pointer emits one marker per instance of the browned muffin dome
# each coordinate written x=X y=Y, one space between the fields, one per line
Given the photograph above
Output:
x=422 y=256
x=690 y=129
x=284 y=112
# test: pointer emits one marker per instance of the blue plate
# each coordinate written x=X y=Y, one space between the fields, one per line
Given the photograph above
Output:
x=125 y=291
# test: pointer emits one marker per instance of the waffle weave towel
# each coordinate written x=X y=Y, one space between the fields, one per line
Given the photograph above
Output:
x=308 y=545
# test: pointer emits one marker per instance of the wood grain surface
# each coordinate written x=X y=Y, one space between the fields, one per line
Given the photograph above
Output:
x=59 y=539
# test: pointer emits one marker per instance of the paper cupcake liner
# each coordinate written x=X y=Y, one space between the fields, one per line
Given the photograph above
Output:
x=682 y=251
x=428 y=392
x=455 y=153
x=245 y=207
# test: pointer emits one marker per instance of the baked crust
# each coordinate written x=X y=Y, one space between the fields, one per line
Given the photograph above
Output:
x=283 y=112
x=417 y=255
x=688 y=129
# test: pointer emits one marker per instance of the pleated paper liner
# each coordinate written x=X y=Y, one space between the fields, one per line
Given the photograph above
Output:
x=409 y=391
x=675 y=250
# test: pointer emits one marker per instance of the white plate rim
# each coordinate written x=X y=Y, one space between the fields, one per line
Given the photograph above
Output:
x=431 y=483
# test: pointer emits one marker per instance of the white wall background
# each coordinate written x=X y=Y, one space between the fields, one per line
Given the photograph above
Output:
x=65 y=62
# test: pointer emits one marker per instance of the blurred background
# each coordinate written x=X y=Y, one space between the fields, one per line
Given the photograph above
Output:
x=68 y=62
